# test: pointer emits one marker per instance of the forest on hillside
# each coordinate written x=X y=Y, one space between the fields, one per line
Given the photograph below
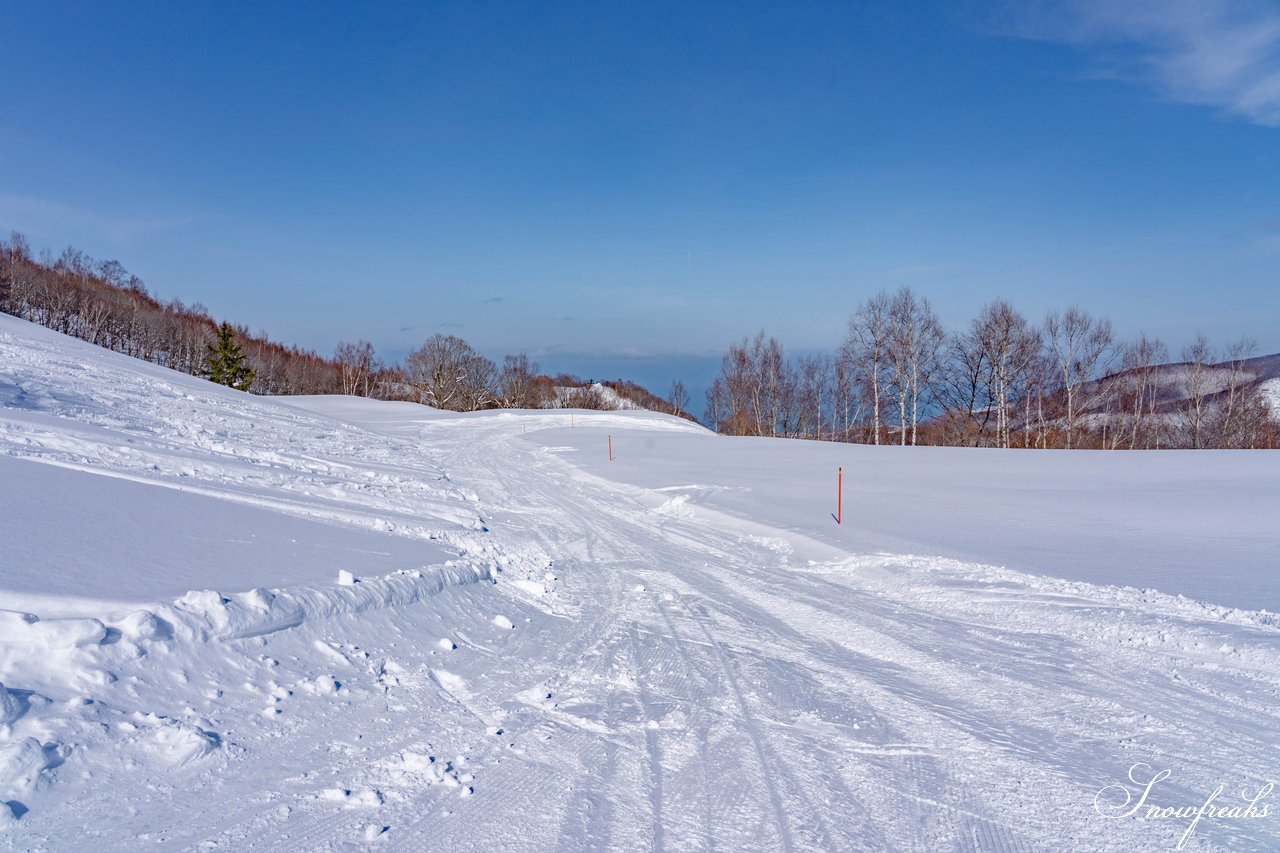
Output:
x=102 y=303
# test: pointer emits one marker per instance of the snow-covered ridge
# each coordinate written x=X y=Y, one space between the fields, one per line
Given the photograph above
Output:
x=604 y=396
x=1271 y=394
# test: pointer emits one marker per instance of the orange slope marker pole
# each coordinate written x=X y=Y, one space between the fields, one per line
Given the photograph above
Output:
x=610 y=448
x=839 y=493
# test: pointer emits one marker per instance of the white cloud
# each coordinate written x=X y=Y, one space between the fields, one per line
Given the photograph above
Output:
x=1219 y=53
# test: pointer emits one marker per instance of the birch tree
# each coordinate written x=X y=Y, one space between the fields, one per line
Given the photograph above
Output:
x=1140 y=396
x=356 y=366
x=1009 y=346
x=866 y=350
x=1197 y=356
x=1082 y=348
x=915 y=340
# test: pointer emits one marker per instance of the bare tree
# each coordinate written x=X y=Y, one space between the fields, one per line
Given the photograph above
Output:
x=772 y=388
x=964 y=391
x=846 y=402
x=1082 y=349
x=1232 y=408
x=448 y=374
x=811 y=379
x=479 y=381
x=866 y=350
x=730 y=396
x=356 y=366
x=1009 y=346
x=1140 y=392
x=677 y=397
x=755 y=392
x=518 y=386
x=915 y=341
x=589 y=396
x=719 y=410
x=1035 y=422
x=1198 y=357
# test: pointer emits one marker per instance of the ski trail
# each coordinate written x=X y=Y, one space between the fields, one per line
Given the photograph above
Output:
x=627 y=677
x=652 y=745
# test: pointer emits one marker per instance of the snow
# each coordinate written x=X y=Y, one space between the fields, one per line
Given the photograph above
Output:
x=159 y=542
x=236 y=623
x=609 y=398
x=1191 y=523
x=1271 y=395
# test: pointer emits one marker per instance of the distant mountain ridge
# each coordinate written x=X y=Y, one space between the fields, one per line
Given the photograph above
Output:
x=1171 y=380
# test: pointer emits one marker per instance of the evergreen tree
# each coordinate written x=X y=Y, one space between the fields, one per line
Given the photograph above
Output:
x=225 y=363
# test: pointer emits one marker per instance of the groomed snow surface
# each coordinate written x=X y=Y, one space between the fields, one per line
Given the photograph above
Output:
x=240 y=623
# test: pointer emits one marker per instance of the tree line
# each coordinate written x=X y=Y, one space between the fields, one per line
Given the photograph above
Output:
x=1003 y=381
x=102 y=303
x=899 y=376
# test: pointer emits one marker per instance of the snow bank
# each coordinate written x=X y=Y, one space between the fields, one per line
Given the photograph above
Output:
x=204 y=615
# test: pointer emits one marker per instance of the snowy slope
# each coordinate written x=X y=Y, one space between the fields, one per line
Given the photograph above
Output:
x=608 y=397
x=1193 y=524
x=1271 y=394
x=546 y=650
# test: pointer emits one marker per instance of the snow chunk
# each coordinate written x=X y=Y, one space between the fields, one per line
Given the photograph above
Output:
x=30 y=631
x=531 y=587
x=345 y=578
x=413 y=765
x=144 y=625
x=455 y=685
x=11 y=707
x=503 y=622
x=327 y=685
x=22 y=762
x=177 y=742
x=677 y=507
x=368 y=798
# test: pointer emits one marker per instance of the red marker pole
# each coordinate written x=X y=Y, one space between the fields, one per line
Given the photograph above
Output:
x=839 y=493
x=610 y=448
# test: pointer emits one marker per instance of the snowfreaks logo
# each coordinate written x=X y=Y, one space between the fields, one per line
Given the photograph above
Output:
x=1109 y=804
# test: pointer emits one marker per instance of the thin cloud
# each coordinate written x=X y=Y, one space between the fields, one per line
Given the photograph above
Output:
x=624 y=353
x=911 y=270
x=1265 y=235
x=493 y=299
x=27 y=213
x=1217 y=53
x=1266 y=226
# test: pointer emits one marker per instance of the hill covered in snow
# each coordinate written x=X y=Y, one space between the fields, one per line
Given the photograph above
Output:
x=322 y=623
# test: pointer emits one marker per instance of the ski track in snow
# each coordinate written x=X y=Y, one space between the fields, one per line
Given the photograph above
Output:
x=590 y=666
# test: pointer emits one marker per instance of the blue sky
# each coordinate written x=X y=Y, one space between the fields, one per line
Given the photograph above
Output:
x=626 y=188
